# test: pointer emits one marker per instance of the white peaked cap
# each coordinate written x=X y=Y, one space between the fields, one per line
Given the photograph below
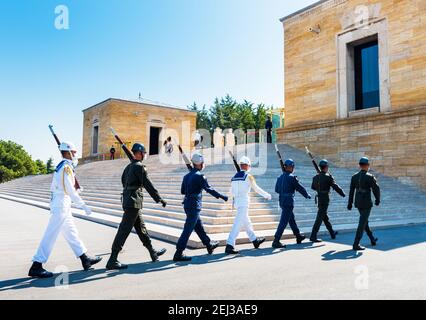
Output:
x=67 y=146
x=245 y=160
x=197 y=158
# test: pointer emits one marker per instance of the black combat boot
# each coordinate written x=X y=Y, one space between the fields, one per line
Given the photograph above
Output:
x=258 y=242
x=87 y=261
x=333 y=234
x=37 y=271
x=230 y=250
x=315 y=240
x=155 y=254
x=212 y=245
x=278 y=245
x=357 y=247
x=300 y=238
x=179 y=256
x=114 y=264
x=374 y=241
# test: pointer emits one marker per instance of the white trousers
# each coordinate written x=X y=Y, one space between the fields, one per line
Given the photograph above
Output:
x=242 y=222
x=61 y=220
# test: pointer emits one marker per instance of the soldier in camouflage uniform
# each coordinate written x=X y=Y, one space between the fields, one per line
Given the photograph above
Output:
x=362 y=184
x=134 y=179
x=322 y=184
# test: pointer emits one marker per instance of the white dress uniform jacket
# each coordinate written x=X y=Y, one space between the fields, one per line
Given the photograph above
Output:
x=61 y=220
x=241 y=185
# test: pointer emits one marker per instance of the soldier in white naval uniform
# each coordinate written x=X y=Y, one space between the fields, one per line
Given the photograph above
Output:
x=61 y=220
x=241 y=185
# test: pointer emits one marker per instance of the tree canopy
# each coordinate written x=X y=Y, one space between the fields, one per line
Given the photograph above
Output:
x=227 y=113
x=15 y=162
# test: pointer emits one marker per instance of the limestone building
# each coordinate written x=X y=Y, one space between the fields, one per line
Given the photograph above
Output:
x=355 y=83
x=145 y=121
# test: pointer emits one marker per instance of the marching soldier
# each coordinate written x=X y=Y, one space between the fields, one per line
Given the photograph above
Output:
x=322 y=183
x=61 y=220
x=192 y=187
x=134 y=179
x=241 y=185
x=362 y=184
x=286 y=186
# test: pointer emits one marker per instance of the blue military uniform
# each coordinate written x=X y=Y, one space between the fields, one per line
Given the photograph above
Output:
x=192 y=187
x=286 y=186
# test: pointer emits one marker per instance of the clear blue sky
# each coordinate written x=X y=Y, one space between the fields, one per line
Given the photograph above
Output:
x=173 y=51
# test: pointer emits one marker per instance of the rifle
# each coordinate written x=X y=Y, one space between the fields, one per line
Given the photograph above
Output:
x=313 y=160
x=123 y=146
x=184 y=157
x=58 y=142
x=280 y=158
x=236 y=165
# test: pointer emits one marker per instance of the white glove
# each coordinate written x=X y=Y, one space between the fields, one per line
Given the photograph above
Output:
x=87 y=210
x=269 y=197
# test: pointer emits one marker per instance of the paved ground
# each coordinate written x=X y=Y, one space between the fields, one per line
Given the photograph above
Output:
x=395 y=270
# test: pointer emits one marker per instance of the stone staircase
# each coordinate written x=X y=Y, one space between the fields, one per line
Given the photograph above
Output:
x=401 y=204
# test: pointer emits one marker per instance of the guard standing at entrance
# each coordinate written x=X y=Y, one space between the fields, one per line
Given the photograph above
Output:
x=322 y=183
x=112 y=153
x=134 y=179
x=268 y=127
x=362 y=183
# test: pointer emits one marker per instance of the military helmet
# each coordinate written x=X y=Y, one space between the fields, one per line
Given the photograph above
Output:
x=197 y=158
x=67 y=146
x=138 y=147
x=323 y=163
x=364 y=160
x=245 y=160
x=289 y=163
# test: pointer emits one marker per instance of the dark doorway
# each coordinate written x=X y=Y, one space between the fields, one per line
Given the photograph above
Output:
x=95 y=140
x=367 y=85
x=154 y=139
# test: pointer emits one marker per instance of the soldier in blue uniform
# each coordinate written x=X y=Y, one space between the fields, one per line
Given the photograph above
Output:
x=192 y=187
x=362 y=183
x=286 y=186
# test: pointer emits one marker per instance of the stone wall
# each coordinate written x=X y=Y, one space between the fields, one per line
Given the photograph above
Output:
x=311 y=60
x=132 y=121
x=395 y=142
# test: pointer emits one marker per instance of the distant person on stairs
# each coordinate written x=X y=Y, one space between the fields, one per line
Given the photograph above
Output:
x=241 y=185
x=112 y=153
x=134 y=179
x=192 y=187
x=269 y=126
x=362 y=183
x=61 y=220
x=322 y=183
x=286 y=186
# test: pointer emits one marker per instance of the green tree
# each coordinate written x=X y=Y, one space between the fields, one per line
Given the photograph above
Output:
x=50 y=168
x=260 y=116
x=203 y=118
x=15 y=162
x=41 y=167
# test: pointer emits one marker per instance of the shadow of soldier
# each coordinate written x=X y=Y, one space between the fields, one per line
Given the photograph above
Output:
x=81 y=276
x=341 y=255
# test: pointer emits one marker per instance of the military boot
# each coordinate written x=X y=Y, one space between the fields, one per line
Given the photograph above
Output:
x=374 y=241
x=300 y=238
x=87 y=261
x=37 y=271
x=333 y=234
x=155 y=254
x=212 y=245
x=357 y=247
x=258 y=242
x=315 y=240
x=114 y=264
x=230 y=250
x=278 y=245
x=179 y=256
